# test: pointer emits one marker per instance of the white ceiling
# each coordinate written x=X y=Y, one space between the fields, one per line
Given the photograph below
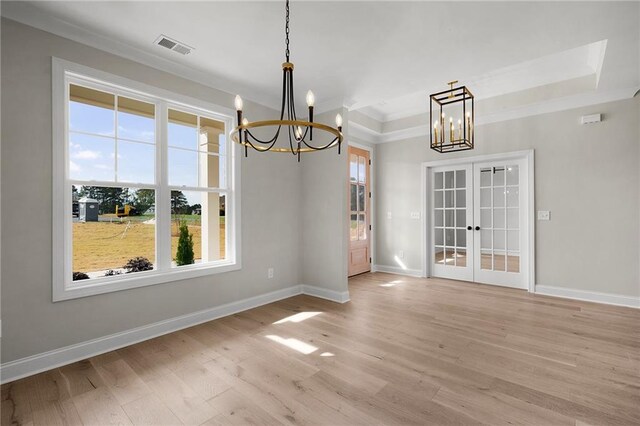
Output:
x=379 y=57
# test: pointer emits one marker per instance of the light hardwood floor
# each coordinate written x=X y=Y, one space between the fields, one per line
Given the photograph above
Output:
x=403 y=351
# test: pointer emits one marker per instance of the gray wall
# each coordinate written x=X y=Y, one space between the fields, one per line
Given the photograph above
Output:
x=31 y=323
x=324 y=214
x=588 y=176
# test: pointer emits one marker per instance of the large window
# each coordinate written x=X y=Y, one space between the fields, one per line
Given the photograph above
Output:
x=145 y=185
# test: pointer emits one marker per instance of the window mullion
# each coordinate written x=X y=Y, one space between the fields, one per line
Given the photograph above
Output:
x=163 y=194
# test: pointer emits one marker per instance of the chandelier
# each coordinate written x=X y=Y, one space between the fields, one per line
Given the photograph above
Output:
x=299 y=132
x=458 y=103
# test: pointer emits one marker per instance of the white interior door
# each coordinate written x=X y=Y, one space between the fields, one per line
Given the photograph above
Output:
x=500 y=228
x=451 y=220
x=479 y=222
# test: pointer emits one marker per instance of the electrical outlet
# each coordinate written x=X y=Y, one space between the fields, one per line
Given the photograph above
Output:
x=544 y=215
x=270 y=273
x=401 y=254
x=415 y=215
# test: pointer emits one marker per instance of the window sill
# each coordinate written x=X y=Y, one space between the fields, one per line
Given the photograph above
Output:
x=141 y=279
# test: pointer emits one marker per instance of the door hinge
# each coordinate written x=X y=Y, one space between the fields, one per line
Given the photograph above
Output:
x=369 y=227
x=369 y=162
x=369 y=194
x=369 y=260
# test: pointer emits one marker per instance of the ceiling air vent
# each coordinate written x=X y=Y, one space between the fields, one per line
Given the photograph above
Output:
x=174 y=45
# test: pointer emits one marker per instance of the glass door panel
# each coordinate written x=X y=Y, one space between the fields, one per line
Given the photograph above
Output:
x=498 y=209
x=452 y=213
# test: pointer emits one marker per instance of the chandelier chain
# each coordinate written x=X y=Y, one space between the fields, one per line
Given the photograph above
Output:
x=286 y=31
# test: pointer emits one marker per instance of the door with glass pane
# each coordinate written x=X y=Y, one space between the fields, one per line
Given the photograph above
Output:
x=451 y=220
x=500 y=223
x=359 y=212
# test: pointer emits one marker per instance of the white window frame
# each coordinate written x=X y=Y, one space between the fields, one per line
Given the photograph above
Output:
x=64 y=72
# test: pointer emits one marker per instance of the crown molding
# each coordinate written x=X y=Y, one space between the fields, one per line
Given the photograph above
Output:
x=550 y=106
x=27 y=14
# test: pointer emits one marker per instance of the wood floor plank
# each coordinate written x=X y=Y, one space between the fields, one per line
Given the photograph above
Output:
x=404 y=350
x=100 y=407
x=149 y=410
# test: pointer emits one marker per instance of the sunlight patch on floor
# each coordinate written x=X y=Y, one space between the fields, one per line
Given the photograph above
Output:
x=295 y=344
x=391 y=283
x=299 y=317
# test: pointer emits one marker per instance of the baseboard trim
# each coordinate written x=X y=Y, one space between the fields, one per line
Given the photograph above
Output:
x=588 y=296
x=397 y=270
x=323 y=293
x=35 y=364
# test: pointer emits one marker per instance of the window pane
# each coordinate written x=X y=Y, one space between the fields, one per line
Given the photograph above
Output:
x=513 y=263
x=437 y=199
x=498 y=197
x=353 y=227
x=498 y=176
x=183 y=130
x=448 y=198
x=498 y=218
x=485 y=218
x=449 y=237
x=353 y=167
x=211 y=171
x=461 y=178
x=485 y=177
x=512 y=197
x=183 y=167
x=461 y=258
x=439 y=219
x=461 y=198
x=198 y=227
x=91 y=111
x=211 y=138
x=448 y=218
x=136 y=162
x=362 y=227
x=91 y=158
x=354 y=198
x=362 y=206
x=136 y=120
x=362 y=170
x=438 y=180
x=513 y=218
x=512 y=175
x=461 y=218
x=448 y=179
x=113 y=231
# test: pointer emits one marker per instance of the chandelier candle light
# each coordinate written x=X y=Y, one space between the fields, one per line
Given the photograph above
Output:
x=298 y=131
x=461 y=139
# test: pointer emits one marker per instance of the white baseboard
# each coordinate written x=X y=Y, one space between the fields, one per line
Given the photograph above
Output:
x=397 y=270
x=34 y=364
x=589 y=296
x=323 y=293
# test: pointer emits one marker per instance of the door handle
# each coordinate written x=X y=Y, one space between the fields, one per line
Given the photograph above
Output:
x=477 y=228
x=469 y=228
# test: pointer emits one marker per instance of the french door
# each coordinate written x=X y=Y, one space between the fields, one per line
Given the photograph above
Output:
x=359 y=212
x=451 y=239
x=479 y=222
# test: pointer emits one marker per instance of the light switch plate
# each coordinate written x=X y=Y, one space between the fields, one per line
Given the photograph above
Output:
x=415 y=215
x=389 y=215
x=544 y=215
